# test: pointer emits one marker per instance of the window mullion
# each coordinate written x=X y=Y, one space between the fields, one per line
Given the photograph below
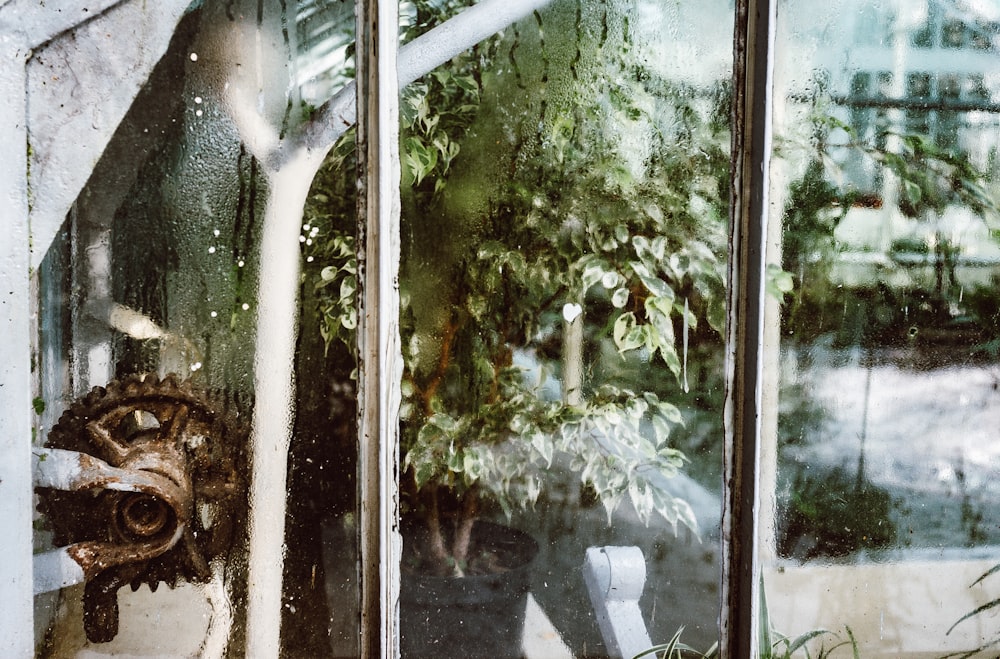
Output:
x=16 y=626
x=745 y=325
x=380 y=363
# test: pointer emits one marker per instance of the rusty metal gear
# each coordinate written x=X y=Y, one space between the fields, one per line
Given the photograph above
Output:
x=177 y=436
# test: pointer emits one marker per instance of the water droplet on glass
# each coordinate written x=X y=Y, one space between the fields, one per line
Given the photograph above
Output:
x=685 y=368
x=246 y=307
x=197 y=99
x=214 y=314
x=194 y=57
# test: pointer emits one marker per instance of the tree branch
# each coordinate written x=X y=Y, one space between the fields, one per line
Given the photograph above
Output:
x=439 y=551
x=463 y=529
x=448 y=336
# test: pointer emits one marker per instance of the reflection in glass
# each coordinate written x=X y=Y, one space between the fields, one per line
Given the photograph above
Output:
x=565 y=189
x=880 y=454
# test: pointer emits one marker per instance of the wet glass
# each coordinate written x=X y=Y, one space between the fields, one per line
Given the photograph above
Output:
x=563 y=175
x=564 y=203
x=879 y=463
x=564 y=200
x=149 y=297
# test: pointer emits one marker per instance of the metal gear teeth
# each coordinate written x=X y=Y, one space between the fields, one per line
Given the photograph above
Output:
x=215 y=467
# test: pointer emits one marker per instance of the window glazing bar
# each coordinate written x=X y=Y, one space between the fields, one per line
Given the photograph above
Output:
x=745 y=325
x=380 y=361
x=16 y=623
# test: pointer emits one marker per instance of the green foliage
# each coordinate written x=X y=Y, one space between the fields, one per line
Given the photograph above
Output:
x=814 y=209
x=676 y=649
x=771 y=644
x=328 y=240
x=435 y=114
x=524 y=194
x=840 y=512
x=992 y=643
x=775 y=645
x=933 y=178
x=927 y=179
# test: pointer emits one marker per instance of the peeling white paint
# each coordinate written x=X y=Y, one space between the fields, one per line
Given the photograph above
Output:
x=54 y=570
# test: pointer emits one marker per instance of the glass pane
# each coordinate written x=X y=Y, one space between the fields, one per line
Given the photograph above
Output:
x=564 y=201
x=878 y=471
x=149 y=300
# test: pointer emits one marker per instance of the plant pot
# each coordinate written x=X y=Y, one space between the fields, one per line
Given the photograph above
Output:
x=471 y=616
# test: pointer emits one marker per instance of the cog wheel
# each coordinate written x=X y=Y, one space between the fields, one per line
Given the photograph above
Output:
x=163 y=427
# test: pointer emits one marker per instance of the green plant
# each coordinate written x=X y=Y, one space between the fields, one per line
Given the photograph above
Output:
x=992 y=604
x=928 y=178
x=840 y=513
x=675 y=649
x=524 y=212
x=775 y=645
x=771 y=644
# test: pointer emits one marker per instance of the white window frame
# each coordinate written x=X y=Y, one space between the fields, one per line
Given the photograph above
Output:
x=28 y=230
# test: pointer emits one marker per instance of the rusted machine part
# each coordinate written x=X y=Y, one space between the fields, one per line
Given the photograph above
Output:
x=154 y=494
x=62 y=469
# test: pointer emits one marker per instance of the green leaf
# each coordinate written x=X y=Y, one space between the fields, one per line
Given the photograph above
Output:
x=661 y=429
x=542 y=443
x=472 y=466
x=670 y=357
x=764 y=622
x=985 y=607
x=912 y=192
x=619 y=298
x=418 y=160
x=805 y=638
x=777 y=282
x=670 y=412
x=467 y=83
x=621 y=233
x=593 y=272
x=424 y=473
x=642 y=498
x=348 y=287
x=628 y=335
x=657 y=287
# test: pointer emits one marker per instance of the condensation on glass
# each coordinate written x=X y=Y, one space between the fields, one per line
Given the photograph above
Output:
x=156 y=272
x=879 y=462
x=566 y=173
x=564 y=199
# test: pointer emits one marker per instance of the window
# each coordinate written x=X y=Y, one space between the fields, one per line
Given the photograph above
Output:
x=844 y=530
x=603 y=266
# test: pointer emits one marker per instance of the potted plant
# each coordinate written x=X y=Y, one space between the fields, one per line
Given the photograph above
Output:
x=526 y=243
